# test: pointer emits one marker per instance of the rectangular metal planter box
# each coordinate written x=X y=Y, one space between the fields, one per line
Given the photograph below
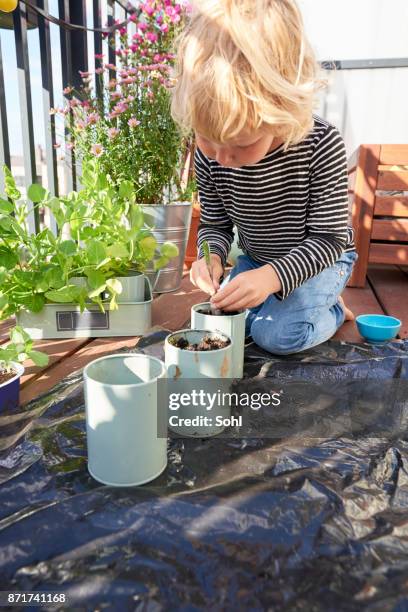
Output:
x=67 y=321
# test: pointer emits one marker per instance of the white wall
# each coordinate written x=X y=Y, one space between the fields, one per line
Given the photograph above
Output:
x=368 y=106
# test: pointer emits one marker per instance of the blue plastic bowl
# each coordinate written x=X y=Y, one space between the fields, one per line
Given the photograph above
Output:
x=378 y=328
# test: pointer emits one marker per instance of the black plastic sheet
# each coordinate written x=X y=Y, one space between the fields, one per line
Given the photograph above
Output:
x=289 y=523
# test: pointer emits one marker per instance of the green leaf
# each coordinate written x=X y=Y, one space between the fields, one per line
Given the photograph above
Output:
x=40 y=359
x=19 y=336
x=3 y=301
x=114 y=285
x=97 y=292
x=147 y=246
x=68 y=248
x=95 y=278
x=35 y=303
x=8 y=259
x=42 y=285
x=160 y=262
x=61 y=296
x=136 y=217
x=96 y=252
x=5 y=223
x=126 y=189
x=118 y=250
x=10 y=185
x=6 y=206
x=102 y=182
x=36 y=193
x=54 y=277
x=169 y=250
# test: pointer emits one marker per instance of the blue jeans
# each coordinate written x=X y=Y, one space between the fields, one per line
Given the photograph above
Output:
x=310 y=315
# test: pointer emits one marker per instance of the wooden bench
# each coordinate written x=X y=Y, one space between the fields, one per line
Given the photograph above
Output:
x=378 y=174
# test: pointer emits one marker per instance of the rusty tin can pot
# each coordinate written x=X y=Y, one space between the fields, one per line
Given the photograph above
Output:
x=185 y=371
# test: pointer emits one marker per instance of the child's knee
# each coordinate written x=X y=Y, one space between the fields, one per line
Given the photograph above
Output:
x=282 y=338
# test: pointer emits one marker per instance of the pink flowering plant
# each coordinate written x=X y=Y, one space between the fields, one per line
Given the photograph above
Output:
x=130 y=129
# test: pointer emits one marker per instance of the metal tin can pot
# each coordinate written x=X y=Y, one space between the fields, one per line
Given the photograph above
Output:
x=121 y=419
x=231 y=325
x=186 y=369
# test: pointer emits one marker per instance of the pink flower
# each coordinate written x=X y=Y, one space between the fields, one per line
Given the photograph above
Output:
x=68 y=90
x=92 y=119
x=97 y=150
x=121 y=107
x=133 y=17
x=132 y=70
x=122 y=31
x=85 y=104
x=133 y=122
x=112 y=83
x=157 y=57
x=80 y=124
x=84 y=75
x=113 y=132
x=124 y=74
x=69 y=146
x=134 y=48
x=115 y=95
x=74 y=102
x=147 y=8
x=112 y=115
x=99 y=71
x=143 y=26
x=57 y=145
x=99 y=56
x=128 y=81
x=164 y=28
x=152 y=37
x=110 y=67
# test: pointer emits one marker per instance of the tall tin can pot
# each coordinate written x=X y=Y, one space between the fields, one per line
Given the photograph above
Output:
x=121 y=419
x=171 y=222
x=232 y=325
x=195 y=371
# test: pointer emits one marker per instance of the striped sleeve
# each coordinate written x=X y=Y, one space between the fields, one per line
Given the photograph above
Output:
x=215 y=225
x=327 y=216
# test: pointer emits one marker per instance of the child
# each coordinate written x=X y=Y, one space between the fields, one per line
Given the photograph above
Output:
x=246 y=84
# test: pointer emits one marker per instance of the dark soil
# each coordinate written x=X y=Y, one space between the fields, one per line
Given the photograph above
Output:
x=221 y=313
x=206 y=344
x=5 y=376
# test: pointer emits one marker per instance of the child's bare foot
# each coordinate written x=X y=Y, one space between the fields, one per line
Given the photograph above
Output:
x=349 y=314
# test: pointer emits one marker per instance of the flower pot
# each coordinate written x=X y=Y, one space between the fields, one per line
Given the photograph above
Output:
x=191 y=250
x=189 y=371
x=10 y=390
x=171 y=223
x=231 y=325
x=121 y=419
x=133 y=287
x=67 y=320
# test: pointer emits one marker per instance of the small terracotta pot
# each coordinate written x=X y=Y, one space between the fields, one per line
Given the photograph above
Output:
x=191 y=250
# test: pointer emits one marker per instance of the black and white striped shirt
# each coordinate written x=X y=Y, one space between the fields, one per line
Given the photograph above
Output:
x=290 y=209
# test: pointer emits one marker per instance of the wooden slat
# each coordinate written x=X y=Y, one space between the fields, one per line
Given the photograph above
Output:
x=171 y=310
x=57 y=350
x=363 y=209
x=391 y=206
x=384 y=229
x=79 y=359
x=391 y=288
x=394 y=154
x=360 y=301
x=396 y=254
x=390 y=180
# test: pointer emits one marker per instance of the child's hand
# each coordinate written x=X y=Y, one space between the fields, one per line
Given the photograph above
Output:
x=248 y=289
x=200 y=276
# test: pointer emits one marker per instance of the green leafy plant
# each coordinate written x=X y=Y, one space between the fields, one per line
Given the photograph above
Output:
x=19 y=350
x=102 y=235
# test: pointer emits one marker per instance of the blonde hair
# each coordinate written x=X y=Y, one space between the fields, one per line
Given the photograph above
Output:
x=245 y=65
